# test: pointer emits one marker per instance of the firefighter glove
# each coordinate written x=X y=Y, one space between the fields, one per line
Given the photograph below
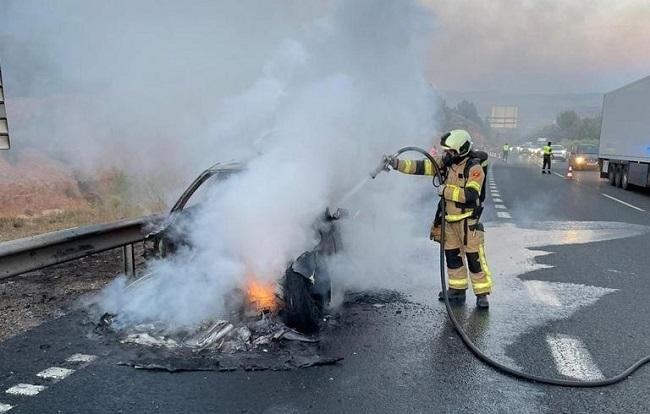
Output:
x=435 y=232
x=441 y=190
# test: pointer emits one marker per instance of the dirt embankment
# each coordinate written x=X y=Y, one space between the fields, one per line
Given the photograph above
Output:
x=28 y=300
x=39 y=194
x=37 y=185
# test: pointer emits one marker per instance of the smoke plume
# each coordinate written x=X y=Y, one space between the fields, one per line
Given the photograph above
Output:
x=326 y=107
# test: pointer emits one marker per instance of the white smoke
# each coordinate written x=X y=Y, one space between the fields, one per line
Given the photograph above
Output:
x=326 y=108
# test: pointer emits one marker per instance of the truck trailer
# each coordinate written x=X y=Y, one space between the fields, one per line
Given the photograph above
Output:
x=624 y=152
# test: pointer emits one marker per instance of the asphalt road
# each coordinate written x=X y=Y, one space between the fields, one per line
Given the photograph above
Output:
x=570 y=270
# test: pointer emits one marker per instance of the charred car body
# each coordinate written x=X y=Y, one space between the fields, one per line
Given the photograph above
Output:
x=304 y=290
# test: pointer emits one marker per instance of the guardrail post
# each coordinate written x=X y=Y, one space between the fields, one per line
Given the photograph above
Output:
x=129 y=260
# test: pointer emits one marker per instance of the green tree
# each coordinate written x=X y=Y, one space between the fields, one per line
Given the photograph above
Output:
x=567 y=120
x=469 y=111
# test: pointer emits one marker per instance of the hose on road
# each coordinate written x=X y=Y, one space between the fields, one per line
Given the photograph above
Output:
x=468 y=342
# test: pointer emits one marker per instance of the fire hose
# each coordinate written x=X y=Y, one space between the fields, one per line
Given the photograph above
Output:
x=482 y=356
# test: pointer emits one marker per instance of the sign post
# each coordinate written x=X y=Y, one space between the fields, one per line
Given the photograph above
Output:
x=4 y=126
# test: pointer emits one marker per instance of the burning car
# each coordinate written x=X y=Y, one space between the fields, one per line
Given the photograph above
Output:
x=303 y=292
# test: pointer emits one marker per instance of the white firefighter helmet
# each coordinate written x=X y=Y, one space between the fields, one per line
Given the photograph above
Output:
x=458 y=140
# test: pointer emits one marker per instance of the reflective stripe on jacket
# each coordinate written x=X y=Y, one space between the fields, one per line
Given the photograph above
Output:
x=461 y=193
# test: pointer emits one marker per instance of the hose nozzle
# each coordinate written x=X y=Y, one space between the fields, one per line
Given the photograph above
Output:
x=383 y=165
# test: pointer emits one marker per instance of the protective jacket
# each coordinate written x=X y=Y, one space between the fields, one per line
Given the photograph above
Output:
x=463 y=184
x=463 y=194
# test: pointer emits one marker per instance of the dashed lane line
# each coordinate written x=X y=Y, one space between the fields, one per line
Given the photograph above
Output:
x=26 y=389
x=572 y=358
x=52 y=375
x=81 y=358
x=622 y=202
x=55 y=373
x=504 y=214
x=558 y=174
x=500 y=207
x=497 y=200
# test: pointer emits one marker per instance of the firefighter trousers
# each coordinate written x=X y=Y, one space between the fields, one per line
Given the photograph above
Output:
x=464 y=243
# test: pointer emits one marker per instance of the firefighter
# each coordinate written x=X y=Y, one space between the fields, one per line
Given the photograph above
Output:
x=462 y=191
x=506 y=151
x=548 y=153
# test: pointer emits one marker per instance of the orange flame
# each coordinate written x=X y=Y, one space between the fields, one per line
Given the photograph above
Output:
x=260 y=294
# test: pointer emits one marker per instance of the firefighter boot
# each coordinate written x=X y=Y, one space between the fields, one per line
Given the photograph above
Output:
x=482 y=301
x=454 y=295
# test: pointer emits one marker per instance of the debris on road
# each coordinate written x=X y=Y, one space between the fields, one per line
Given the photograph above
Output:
x=246 y=342
x=250 y=343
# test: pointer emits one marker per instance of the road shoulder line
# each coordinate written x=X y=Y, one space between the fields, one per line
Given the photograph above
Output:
x=622 y=202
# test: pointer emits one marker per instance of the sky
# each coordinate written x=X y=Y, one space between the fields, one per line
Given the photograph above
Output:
x=109 y=75
x=539 y=46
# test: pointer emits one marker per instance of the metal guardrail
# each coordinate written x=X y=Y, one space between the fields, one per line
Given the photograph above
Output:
x=36 y=252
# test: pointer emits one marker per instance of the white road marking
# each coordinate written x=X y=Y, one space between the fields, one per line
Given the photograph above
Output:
x=572 y=357
x=558 y=174
x=622 y=202
x=81 y=358
x=497 y=200
x=503 y=214
x=55 y=373
x=539 y=290
x=500 y=206
x=495 y=194
x=25 y=389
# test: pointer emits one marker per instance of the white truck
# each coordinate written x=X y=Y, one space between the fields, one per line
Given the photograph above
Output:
x=624 y=152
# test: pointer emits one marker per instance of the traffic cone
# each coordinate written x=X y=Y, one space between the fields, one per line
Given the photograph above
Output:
x=569 y=173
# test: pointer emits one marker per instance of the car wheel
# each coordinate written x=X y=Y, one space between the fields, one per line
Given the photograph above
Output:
x=301 y=310
x=611 y=174
x=618 y=176
x=624 y=179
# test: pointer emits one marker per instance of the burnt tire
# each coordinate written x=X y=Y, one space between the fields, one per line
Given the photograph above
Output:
x=611 y=174
x=302 y=310
x=625 y=184
x=619 y=176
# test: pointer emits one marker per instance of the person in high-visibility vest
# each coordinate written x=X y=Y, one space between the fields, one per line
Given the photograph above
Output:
x=548 y=153
x=506 y=151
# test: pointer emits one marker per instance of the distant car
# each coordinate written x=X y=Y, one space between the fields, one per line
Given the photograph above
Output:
x=559 y=152
x=584 y=157
x=526 y=149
